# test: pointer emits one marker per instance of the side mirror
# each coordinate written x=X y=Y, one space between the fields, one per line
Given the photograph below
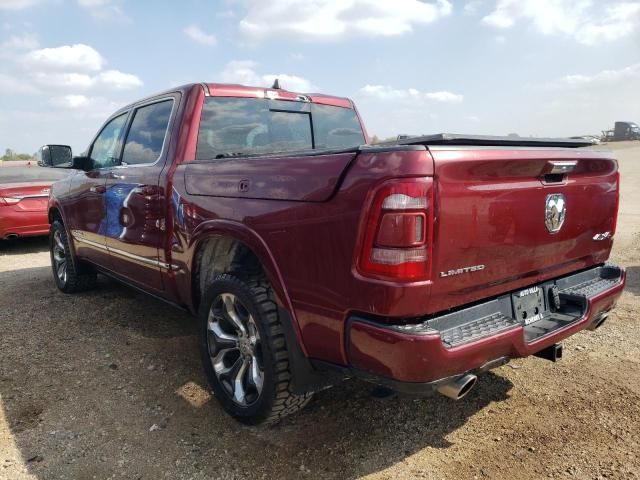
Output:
x=56 y=156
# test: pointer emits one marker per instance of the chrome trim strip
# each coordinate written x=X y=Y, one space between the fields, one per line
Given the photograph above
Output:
x=22 y=197
x=138 y=258
x=562 y=166
x=78 y=235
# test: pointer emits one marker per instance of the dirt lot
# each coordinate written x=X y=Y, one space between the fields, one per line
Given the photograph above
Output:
x=108 y=384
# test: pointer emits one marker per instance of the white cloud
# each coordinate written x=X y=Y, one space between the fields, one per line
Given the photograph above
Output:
x=27 y=41
x=62 y=80
x=70 y=101
x=385 y=92
x=16 y=4
x=389 y=111
x=93 y=3
x=586 y=21
x=444 y=97
x=65 y=70
x=94 y=107
x=15 y=85
x=335 y=19
x=118 y=80
x=109 y=79
x=240 y=71
x=602 y=79
x=77 y=57
x=473 y=6
x=108 y=10
x=197 y=35
x=244 y=72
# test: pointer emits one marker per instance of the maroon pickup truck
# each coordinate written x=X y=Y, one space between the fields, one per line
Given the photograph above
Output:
x=311 y=257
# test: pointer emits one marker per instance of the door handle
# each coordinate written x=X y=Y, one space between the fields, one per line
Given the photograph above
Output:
x=115 y=176
x=97 y=189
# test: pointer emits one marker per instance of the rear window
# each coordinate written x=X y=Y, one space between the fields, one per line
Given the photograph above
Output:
x=31 y=174
x=251 y=126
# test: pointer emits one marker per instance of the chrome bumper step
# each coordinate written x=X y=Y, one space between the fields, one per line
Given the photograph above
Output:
x=483 y=320
x=475 y=329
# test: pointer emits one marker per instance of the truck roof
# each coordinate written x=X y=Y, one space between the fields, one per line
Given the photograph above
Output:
x=237 y=90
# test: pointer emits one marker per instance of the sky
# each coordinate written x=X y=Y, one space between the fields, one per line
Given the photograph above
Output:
x=532 y=67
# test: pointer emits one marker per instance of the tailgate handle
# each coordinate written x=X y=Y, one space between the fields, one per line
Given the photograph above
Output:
x=560 y=167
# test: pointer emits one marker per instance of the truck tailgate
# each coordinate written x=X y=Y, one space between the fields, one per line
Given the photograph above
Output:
x=490 y=234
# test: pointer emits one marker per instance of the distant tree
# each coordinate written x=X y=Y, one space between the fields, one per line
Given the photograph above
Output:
x=10 y=155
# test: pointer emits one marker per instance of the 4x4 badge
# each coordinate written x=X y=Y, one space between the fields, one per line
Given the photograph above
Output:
x=555 y=212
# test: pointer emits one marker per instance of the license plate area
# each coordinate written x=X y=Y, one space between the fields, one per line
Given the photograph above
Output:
x=528 y=305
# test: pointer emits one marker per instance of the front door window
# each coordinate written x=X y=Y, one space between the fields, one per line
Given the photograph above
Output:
x=105 y=151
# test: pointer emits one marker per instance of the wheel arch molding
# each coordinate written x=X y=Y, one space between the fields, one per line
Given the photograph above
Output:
x=221 y=244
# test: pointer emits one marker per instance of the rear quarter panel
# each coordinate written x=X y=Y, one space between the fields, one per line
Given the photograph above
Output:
x=313 y=245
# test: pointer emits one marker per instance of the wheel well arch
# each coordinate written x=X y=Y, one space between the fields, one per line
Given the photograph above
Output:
x=225 y=253
x=55 y=214
x=219 y=253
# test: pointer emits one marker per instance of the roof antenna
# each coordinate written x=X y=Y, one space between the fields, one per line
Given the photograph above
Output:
x=276 y=84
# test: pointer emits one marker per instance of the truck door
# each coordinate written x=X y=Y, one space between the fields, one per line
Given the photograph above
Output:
x=85 y=204
x=136 y=201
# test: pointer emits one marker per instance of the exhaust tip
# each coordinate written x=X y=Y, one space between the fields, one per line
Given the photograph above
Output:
x=459 y=387
x=598 y=322
x=12 y=236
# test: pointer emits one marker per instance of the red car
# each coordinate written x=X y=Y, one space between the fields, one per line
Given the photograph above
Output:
x=311 y=257
x=24 y=198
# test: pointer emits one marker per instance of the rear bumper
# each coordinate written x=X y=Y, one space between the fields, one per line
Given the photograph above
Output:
x=419 y=356
x=22 y=223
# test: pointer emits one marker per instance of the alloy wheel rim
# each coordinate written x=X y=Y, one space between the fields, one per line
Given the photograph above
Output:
x=59 y=257
x=235 y=349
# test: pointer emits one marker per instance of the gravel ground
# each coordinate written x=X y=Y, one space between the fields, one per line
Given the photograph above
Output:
x=108 y=384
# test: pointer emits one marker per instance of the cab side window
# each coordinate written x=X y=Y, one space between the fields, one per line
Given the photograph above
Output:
x=146 y=135
x=106 y=148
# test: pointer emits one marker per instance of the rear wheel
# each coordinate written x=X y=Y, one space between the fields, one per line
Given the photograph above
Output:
x=66 y=268
x=244 y=351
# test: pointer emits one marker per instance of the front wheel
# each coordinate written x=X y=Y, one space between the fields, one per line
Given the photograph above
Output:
x=65 y=266
x=244 y=351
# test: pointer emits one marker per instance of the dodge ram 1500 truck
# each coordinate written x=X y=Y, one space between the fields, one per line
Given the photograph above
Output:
x=311 y=257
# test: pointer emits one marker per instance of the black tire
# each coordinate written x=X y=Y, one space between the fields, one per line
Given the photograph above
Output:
x=76 y=277
x=275 y=400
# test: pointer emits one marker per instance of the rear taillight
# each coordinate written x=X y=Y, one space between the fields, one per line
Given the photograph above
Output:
x=9 y=200
x=395 y=233
x=617 y=210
